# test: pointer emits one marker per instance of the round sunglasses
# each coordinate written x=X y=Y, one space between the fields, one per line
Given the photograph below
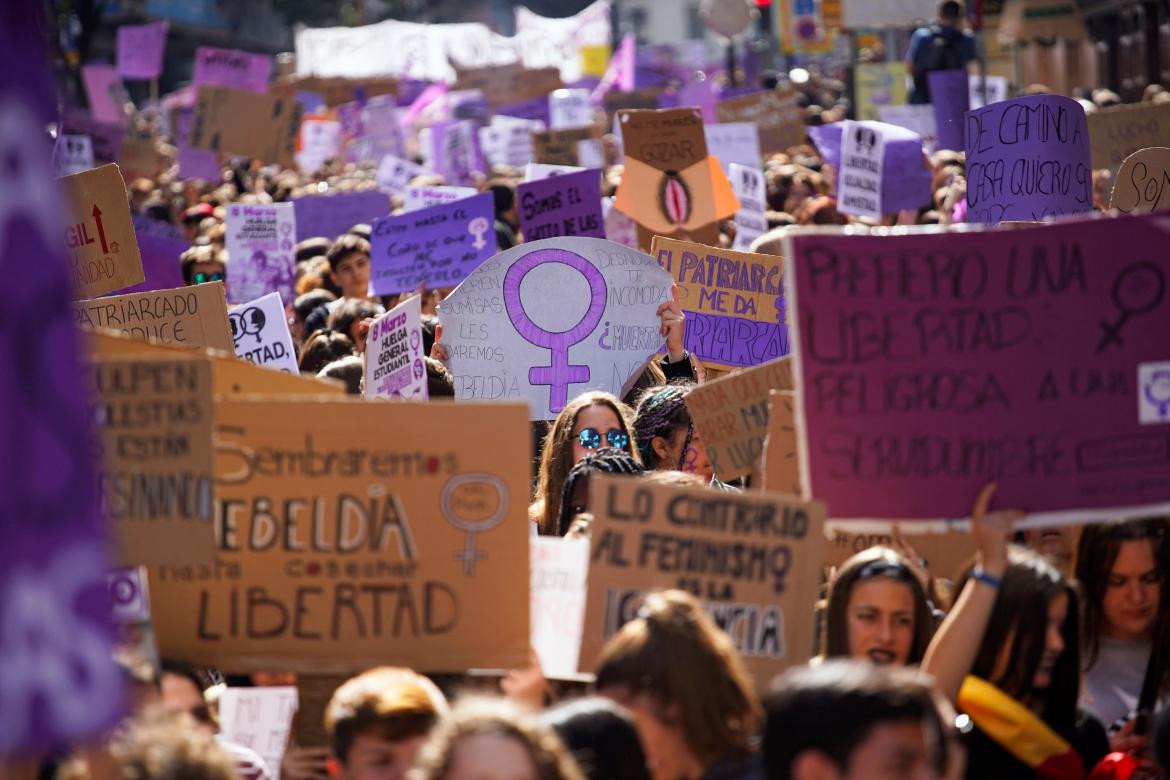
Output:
x=590 y=438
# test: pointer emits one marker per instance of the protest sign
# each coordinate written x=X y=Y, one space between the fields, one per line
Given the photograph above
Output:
x=910 y=188
x=139 y=157
x=161 y=245
x=731 y=415
x=569 y=108
x=331 y=215
x=878 y=84
x=945 y=553
x=331 y=92
x=781 y=459
x=260 y=243
x=140 y=49
x=997 y=90
x=950 y=94
x=750 y=222
x=534 y=110
x=734 y=142
x=577 y=146
x=340 y=548
x=235 y=122
x=754 y=560
x=105 y=137
x=671 y=187
x=194 y=163
x=260 y=332
x=239 y=70
x=565 y=205
x=733 y=302
x=129 y=595
x=394 y=354
x=260 y=719
x=105 y=93
x=395 y=174
x=776 y=113
x=450 y=150
x=618 y=227
x=548 y=320
x=559 y=569
x=103 y=252
x=859 y=181
x=645 y=99
x=1116 y=133
x=561 y=42
x=72 y=154
x=193 y=316
x=153 y=442
x=1143 y=183
x=534 y=171
x=1028 y=158
x=320 y=140
x=917 y=119
x=425 y=197
x=502 y=85
x=439 y=245
x=966 y=364
x=508 y=142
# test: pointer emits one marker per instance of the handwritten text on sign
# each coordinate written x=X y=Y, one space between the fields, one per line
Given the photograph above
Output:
x=565 y=205
x=394 y=357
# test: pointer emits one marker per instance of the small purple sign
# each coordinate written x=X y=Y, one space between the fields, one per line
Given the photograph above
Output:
x=701 y=94
x=905 y=177
x=230 y=68
x=950 y=94
x=105 y=92
x=564 y=205
x=140 y=50
x=331 y=215
x=193 y=163
x=106 y=137
x=439 y=245
x=537 y=109
x=160 y=244
x=1027 y=159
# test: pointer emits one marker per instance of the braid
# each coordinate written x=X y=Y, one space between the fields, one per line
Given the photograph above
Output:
x=605 y=461
x=660 y=411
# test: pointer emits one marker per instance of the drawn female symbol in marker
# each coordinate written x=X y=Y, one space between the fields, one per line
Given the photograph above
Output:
x=558 y=375
x=461 y=508
x=477 y=227
x=1138 y=289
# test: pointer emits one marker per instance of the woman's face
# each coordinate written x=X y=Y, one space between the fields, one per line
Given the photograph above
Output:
x=1053 y=641
x=601 y=419
x=1132 y=592
x=491 y=757
x=880 y=621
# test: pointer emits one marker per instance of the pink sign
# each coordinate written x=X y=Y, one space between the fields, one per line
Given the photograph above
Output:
x=140 y=50
x=231 y=68
x=105 y=92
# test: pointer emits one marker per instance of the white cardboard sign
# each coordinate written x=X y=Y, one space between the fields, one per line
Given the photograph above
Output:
x=261 y=239
x=560 y=566
x=749 y=187
x=917 y=119
x=425 y=197
x=395 y=174
x=72 y=154
x=734 y=142
x=859 y=188
x=394 y=356
x=260 y=332
x=261 y=719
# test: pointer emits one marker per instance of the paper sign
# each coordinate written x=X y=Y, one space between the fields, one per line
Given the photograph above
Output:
x=320 y=141
x=750 y=222
x=161 y=246
x=230 y=68
x=859 y=183
x=781 y=446
x=260 y=243
x=950 y=94
x=449 y=149
x=756 y=570
x=733 y=302
x=439 y=245
x=260 y=333
x=153 y=440
x=329 y=216
x=997 y=90
x=425 y=197
x=508 y=141
x=1116 y=133
x=341 y=546
x=395 y=174
x=1028 y=158
x=72 y=154
x=394 y=355
x=878 y=84
x=1143 y=183
x=103 y=253
x=565 y=205
x=560 y=566
x=548 y=320
x=910 y=188
x=260 y=719
x=917 y=119
x=734 y=142
x=731 y=415
x=105 y=93
x=966 y=365
x=776 y=112
x=946 y=553
x=140 y=50
x=129 y=595
x=193 y=316
x=569 y=108
x=578 y=146
x=235 y=122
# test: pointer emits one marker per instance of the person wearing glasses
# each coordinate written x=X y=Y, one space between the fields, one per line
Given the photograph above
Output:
x=201 y=264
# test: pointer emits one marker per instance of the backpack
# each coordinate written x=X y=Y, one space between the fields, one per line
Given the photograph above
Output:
x=945 y=54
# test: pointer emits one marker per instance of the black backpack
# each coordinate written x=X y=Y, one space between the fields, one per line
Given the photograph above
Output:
x=945 y=54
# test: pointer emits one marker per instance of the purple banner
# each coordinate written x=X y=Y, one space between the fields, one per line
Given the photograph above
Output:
x=905 y=177
x=161 y=244
x=564 y=205
x=439 y=245
x=1027 y=159
x=61 y=686
x=1035 y=358
x=140 y=50
x=950 y=94
x=230 y=68
x=331 y=215
x=537 y=108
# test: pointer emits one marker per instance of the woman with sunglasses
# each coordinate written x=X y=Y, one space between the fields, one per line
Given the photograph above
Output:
x=666 y=435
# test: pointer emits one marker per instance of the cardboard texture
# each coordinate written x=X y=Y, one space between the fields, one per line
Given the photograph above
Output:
x=733 y=301
x=1143 y=183
x=1116 y=133
x=139 y=157
x=562 y=147
x=103 y=250
x=153 y=441
x=335 y=91
x=340 y=549
x=731 y=416
x=194 y=316
x=505 y=84
x=753 y=559
x=781 y=471
x=946 y=554
x=777 y=114
x=232 y=122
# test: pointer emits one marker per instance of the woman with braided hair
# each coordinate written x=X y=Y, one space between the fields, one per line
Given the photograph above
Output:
x=665 y=433
x=575 y=494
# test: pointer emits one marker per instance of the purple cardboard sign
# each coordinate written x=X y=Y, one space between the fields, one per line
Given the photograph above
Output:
x=193 y=163
x=439 y=245
x=950 y=94
x=140 y=50
x=905 y=175
x=1034 y=358
x=230 y=68
x=106 y=137
x=565 y=205
x=331 y=215
x=160 y=244
x=105 y=92
x=536 y=109
x=1027 y=159
x=701 y=94
x=61 y=685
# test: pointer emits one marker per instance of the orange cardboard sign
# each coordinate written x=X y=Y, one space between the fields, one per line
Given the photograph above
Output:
x=194 y=316
x=103 y=250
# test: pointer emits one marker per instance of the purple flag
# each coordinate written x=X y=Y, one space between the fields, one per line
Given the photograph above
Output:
x=60 y=683
x=620 y=73
x=140 y=50
x=564 y=205
x=950 y=94
x=160 y=244
x=332 y=215
x=230 y=68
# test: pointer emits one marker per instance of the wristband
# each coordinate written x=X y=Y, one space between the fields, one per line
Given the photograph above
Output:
x=979 y=575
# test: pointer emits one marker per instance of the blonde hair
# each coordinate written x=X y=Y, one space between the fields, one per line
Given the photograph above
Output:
x=397 y=703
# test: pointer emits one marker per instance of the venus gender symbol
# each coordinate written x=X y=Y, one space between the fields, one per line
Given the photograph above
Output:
x=558 y=375
x=447 y=505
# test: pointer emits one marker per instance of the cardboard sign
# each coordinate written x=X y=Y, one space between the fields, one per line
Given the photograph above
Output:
x=750 y=222
x=260 y=243
x=950 y=94
x=945 y=553
x=161 y=245
x=547 y=320
x=425 y=197
x=560 y=566
x=917 y=119
x=193 y=316
x=395 y=174
x=1143 y=183
x=260 y=719
x=578 y=146
x=331 y=215
x=967 y=363
x=103 y=252
x=997 y=90
x=505 y=84
x=733 y=302
x=569 y=108
x=534 y=171
x=1116 y=133
x=230 y=68
x=153 y=440
x=340 y=548
x=734 y=142
x=753 y=559
x=902 y=152
x=565 y=205
x=731 y=415
x=776 y=112
x=235 y=122
x=139 y=157
x=859 y=181
x=394 y=356
x=105 y=137
x=72 y=154
x=781 y=446
x=105 y=93
x=878 y=84
x=140 y=49
x=508 y=141
x=1028 y=158
x=261 y=336
x=534 y=110
x=320 y=141
x=439 y=245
